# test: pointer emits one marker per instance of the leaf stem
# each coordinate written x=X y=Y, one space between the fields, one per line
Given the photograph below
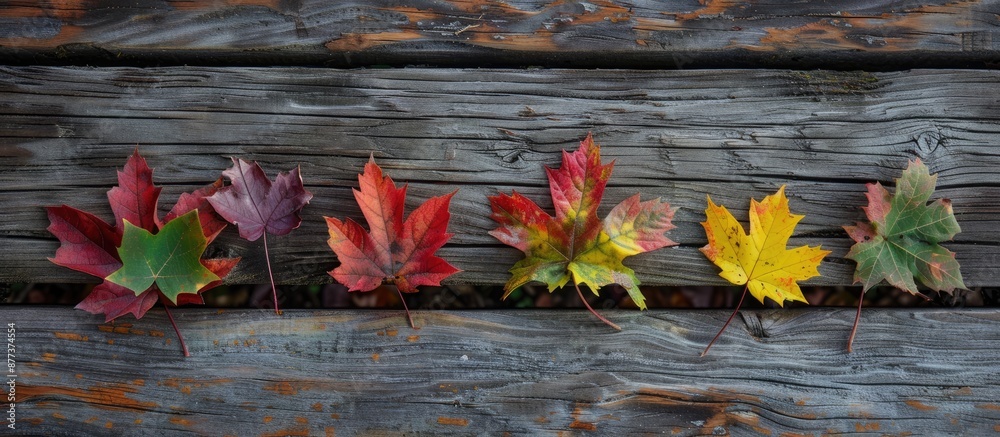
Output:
x=407 y=309
x=608 y=322
x=270 y=274
x=857 y=318
x=180 y=338
x=742 y=296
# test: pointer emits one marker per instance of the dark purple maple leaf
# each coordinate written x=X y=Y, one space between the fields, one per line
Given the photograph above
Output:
x=257 y=207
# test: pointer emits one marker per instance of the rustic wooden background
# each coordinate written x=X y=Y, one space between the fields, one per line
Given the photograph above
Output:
x=712 y=97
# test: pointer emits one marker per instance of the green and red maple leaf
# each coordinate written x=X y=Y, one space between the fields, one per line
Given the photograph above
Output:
x=900 y=243
x=90 y=245
x=395 y=251
x=575 y=245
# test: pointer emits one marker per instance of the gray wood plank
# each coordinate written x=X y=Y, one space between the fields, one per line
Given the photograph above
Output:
x=519 y=372
x=734 y=134
x=642 y=33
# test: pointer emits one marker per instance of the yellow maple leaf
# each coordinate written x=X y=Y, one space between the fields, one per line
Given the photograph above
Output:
x=760 y=260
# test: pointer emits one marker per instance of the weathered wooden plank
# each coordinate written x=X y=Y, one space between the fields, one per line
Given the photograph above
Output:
x=523 y=372
x=679 y=135
x=607 y=34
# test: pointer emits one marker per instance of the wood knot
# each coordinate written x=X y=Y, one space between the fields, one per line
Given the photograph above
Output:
x=512 y=151
x=754 y=326
x=928 y=142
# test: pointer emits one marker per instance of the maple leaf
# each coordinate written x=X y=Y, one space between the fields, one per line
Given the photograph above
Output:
x=135 y=198
x=211 y=224
x=115 y=301
x=900 y=243
x=760 y=259
x=395 y=251
x=90 y=245
x=576 y=245
x=171 y=258
x=257 y=207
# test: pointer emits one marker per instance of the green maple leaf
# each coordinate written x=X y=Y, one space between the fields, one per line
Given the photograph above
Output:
x=901 y=242
x=171 y=258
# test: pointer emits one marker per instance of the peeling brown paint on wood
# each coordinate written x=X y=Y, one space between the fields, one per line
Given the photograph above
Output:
x=735 y=134
x=70 y=336
x=181 y=421
x=916 y=404
x=452 y=421
x=912 y=369
x=113 y=397
x=294 y=431
x=283 y=388
x=594 y=33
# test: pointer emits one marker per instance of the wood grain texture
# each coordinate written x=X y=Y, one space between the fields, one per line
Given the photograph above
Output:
x=607 y=34
x=734 y=134
x=523 y=372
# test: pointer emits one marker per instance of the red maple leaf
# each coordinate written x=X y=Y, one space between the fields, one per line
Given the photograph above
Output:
x=258 y=207
x=88 y=244
x=395 y=251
